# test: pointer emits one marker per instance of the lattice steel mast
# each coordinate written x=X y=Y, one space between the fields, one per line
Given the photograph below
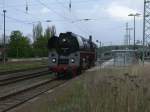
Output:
x=146 y=36
x=146 y=26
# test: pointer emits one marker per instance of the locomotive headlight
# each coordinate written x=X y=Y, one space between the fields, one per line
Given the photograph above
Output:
x=53 y=60
x=72 y=60
x=64 y=40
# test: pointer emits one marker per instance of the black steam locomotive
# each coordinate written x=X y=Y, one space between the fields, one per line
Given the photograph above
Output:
x=71 y=53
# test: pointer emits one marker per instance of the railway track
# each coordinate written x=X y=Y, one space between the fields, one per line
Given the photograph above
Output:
x=40 y=82
x=20 y=70
x=20 y=76
x=19 y=97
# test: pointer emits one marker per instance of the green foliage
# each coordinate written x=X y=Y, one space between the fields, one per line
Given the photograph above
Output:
x=19 y=45
x=37 y=31
x=40 y=44
x=40 y=47
x=50 y=31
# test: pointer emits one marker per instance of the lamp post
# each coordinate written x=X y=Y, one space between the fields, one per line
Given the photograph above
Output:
x=134 y=15
x=4 y=53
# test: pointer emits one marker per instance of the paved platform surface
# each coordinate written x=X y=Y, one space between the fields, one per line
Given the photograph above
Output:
x=107 y=64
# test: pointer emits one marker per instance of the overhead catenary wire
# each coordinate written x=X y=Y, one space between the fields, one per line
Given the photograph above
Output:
x=18 y=20
x=9 y=30
x=8 y=17
x=85 y=30
x=52 y=3
x=52 y=10
x=29 y=14
x=67 y=19
x=30 y=22
x=37 y=19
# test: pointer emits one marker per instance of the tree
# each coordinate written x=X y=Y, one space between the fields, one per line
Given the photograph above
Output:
x=40 y=44
x=19 y=45
x=37 y=31
x=47 y=33
x=40 y=47
x=50 y=31
x=53 y=30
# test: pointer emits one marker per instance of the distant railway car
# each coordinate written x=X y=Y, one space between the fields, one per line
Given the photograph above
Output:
x=70 y=53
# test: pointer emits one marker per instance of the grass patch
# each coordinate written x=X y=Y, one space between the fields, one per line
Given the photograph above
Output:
x=107 y=90
x=22 y=65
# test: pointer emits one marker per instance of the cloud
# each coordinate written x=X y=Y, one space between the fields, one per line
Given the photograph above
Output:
x=119 y=11
x=95 y=11
x=45 y=10
x=136 y=4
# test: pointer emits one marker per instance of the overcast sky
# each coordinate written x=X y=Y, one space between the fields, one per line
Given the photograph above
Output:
x=108 y=24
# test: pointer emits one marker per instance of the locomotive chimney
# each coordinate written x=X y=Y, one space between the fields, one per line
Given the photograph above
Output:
x=90 y=38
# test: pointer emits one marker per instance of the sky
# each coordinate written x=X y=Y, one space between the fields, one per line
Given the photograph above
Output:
x=107 y=24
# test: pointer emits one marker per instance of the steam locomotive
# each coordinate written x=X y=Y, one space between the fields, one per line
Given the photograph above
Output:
x=70 y=53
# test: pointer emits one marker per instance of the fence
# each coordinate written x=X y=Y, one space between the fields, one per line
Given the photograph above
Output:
x=120 y=58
